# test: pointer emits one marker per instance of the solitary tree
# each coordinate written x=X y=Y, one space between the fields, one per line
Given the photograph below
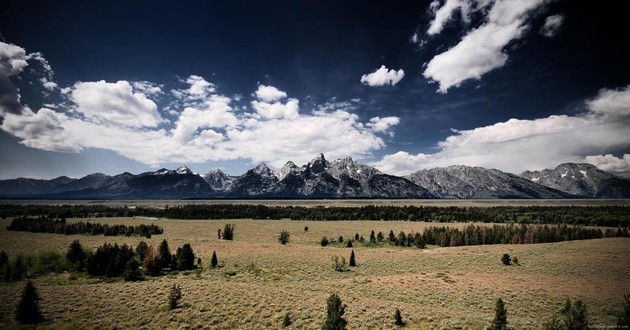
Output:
x=334 y=314
x=27 y=311
x=500 y=316
x=305 y=229
x=228 y=232
x=324 y=241
x=283 y=238
x=398 y=318
x=352 y=261
x=174 y=296
x=214 y=261
x=506 y=259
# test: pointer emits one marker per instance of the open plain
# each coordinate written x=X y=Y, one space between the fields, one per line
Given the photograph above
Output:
x=261 y=280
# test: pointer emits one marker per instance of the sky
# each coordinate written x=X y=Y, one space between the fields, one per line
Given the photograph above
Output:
x=135 y=86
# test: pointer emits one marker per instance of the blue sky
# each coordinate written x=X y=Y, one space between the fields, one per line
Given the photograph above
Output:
x=111 y=87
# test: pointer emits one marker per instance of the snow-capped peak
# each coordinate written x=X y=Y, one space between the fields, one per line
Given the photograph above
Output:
x=183 y=170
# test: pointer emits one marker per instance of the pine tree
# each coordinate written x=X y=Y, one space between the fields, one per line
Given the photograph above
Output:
x=575 y=316
x=132 y=271
x=500 y=318
x=214 y=261
x=151 y=262
x=349 y=244
x=185 y=258
x=76 y=255
x=174 y=296
x=165 y=255
x=324 y=241
x=352 y=261
x=27 y=311
x=287 y=320
x=398 y=318
x=380 y=237
x=228 y=232
x=334 y=314
x=372 y=237
x=141 y=250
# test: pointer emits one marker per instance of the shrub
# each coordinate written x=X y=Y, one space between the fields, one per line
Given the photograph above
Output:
x=340 y=240
x=398 y=318
x=4 y=258
x=339 y=263
x=506 y=259
x=27 y=311
x=174 y=296
x=284 y=237
x=228 y=232
x=305 y=230
x=553 y=324
x=356 y=236
x=214 y=262
x=575 y=315
x=324 y=241
x=515 y=260
x=132 y=271
x=334 y=314
x=185 y=258
x=352 y=262
x=500 y=316
x=287 y=319
x=75 y=255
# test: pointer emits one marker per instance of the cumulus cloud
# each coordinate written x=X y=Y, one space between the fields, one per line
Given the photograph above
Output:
x=114 y=103
x=481 y=50
x=122 y=117
x=517 y=145
x=610 y=163
x=382 y=76
x=269 y=94
x=12 y=62
x=378 y=124
x=552 y=25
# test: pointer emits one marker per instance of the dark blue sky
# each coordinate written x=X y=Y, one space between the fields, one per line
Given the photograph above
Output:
x=317 y=52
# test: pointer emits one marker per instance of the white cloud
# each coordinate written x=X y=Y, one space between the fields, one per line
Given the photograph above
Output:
x=610 y=163
x=114 y=103
x=12 y=59
x=119 y=117
x=382 y=76
x=517 y=145
x=147 y=88
x=552 y=25
x=481 y=49
x=269 y=94
x=378 y=124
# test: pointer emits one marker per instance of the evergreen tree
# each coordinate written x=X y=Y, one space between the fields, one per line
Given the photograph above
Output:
x=419 y=241
x=500 y=316
x=349 y=243
x=141 y=250
x=174 y=296
x=352 y=261
x=575 y=316
x=398 y=318
x=506 y=259
x=132 y=271
x=305 y=230
x=185 y=258
x=623 y=319
x=151 y=262
x=27 y=311
x=356 y=236
x=214 y=262
x=283 y=238
x=165 y=255
x=228 y=232
x=340 y=240
x=392 y=237
x=380 y=237
x=4 y=258
x=219 y=233
x=372 y=237
x=324 y=241
x=75 y=255
x=334 y=314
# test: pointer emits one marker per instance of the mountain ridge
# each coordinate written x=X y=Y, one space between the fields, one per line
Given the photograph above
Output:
x=340 y=178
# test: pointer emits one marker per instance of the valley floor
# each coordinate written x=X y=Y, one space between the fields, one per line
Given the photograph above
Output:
x=262 y=280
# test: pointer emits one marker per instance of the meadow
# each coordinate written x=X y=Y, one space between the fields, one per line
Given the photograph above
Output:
x=261 y=280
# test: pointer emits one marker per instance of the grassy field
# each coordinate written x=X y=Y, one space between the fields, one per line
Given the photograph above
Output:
x=261 y=280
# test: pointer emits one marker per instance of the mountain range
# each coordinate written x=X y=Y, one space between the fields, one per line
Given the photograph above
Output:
x=320 y=178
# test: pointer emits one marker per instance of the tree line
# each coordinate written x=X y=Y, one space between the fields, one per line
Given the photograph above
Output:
x=43 y=224
x=610 y=216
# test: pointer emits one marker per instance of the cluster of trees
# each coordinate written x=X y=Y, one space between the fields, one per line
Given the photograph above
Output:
x=60 y=226
x=110 y=260
x=610 y=216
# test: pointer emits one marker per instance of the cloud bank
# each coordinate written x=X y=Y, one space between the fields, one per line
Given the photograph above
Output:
x=517 y=145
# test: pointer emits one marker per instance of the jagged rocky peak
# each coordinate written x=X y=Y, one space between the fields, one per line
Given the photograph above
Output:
x=183 y=170
x=289 y=167
x=318 y=164
x=218 y=180
x=263 y=170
